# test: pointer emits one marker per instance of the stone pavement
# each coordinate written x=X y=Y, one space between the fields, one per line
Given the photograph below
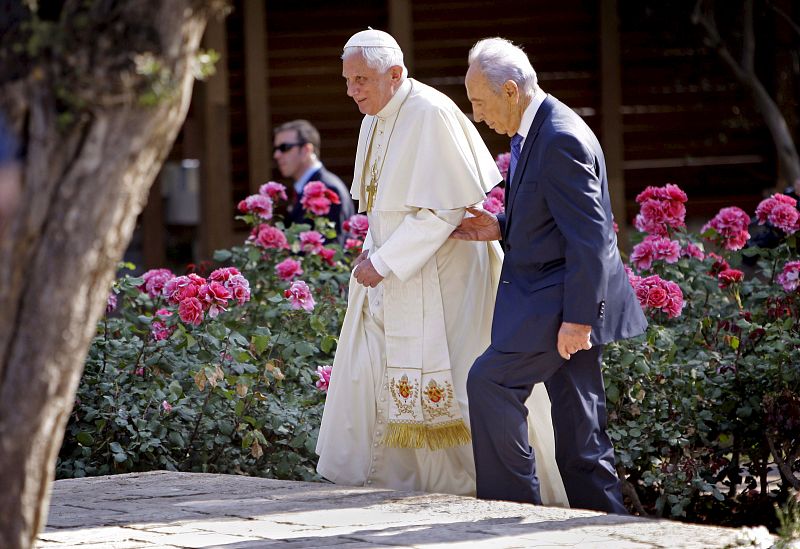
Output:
x=181 y=510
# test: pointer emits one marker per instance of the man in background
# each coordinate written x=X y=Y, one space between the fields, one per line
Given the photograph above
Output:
x=296 y=147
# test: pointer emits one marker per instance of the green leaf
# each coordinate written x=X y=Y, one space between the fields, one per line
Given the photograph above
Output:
x=85 y=438
x=304 y=348
x=327 y=343
x=116 y=448
x=222 y=256
x=260 y=342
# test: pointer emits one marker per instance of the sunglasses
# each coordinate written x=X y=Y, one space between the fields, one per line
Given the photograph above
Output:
x=283 y=147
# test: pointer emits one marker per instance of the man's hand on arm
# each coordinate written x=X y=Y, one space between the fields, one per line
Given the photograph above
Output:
x=365 y=273
x=482 y=226
x=573 y=338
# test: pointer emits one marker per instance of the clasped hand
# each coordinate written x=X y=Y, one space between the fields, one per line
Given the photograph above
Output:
x=365 y=272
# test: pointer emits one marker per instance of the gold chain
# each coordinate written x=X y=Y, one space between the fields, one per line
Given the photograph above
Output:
x=375 y=172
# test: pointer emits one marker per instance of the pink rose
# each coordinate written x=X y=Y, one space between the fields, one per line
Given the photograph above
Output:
x=159 y=328
x=269 y=238
x=223 y=274
x=784 y=217
x=729 y=277
x=318 y=198
x=191 y=311
x=182 y=287
x=232 y=279
x=765 y=207
x=657 y=294
x=288 y=269
x=789 y=277
x=240 y=288
x=693 y=250
x=661 y=208
x=730 y=225
x=258 y=205
x=311 y=241
x=503 y=162
x=154 y=281
x=353 y=244
x=327 y=255
x=273 y=190
x=643 y=254
x=215 y=297
x=299 y=294
x=357 y=225
x=324 y=377
x=492 y=205
x=111 y=302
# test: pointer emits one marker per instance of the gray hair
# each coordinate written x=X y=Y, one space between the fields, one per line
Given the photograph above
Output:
x=377 y=57
x=499 y=61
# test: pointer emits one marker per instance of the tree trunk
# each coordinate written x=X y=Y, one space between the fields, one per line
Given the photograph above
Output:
x=744 y=70
x=92 y=149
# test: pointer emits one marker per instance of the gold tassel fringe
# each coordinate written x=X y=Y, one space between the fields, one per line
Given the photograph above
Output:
x=404 y=435
x=448 y=435
x=439 y=437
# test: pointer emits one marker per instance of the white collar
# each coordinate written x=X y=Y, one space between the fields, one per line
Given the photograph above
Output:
x=530 y=112
x=397 y=99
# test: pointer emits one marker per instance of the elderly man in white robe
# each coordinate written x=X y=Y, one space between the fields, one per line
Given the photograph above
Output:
x=420 y=304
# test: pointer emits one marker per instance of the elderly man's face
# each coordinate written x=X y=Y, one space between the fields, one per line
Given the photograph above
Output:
x=369 y=88
x=499 y=110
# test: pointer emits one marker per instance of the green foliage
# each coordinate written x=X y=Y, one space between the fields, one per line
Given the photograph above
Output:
x=235 y=394
x=705 y=408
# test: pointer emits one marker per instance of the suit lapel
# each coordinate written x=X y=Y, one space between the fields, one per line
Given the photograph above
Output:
x=541 y=115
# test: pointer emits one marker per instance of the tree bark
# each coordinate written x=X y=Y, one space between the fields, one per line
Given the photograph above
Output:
x=92 y=149
x=744 y=70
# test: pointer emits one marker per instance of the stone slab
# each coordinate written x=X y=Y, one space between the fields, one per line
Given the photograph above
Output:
x=191 y=510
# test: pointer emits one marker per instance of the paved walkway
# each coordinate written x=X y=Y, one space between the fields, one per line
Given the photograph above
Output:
x=181 y=510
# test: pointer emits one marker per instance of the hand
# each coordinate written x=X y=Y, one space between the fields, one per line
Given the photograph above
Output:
x=483 y=226
x=361 y=257
x=366 y=275
x=573 y=338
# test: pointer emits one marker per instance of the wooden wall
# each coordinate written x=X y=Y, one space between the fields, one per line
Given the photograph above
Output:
x=682 y=118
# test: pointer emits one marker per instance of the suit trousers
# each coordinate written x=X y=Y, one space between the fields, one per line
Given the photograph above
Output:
x=498 y=385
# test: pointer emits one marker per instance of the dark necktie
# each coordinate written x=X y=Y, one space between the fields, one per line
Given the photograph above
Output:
x=516 y=141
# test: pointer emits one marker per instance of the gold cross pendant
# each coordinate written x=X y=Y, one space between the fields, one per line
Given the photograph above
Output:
x=372 y=188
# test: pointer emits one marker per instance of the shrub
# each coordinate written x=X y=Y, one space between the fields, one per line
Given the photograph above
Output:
x=224 y=374
x=705 y=407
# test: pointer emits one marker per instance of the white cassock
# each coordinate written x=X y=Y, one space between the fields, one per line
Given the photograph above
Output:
x=432 y=164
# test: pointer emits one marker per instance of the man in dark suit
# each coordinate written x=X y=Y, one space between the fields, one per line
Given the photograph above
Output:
x=563 y=291
x=296 y=147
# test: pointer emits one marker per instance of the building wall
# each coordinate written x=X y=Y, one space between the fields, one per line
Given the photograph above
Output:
x=681 y=117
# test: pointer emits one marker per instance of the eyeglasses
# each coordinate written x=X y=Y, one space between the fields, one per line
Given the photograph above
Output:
x=283 y=147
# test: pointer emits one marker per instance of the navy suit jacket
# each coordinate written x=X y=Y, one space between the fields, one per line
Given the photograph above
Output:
x=561 y=258
x=339 y=213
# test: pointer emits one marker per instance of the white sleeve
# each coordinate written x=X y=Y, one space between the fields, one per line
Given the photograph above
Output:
x=415 y=241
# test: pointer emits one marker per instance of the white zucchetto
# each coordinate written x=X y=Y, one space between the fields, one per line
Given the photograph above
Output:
x=372 y=38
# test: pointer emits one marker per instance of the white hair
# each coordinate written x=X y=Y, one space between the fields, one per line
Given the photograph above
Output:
x=499 y=61
x=377 y=57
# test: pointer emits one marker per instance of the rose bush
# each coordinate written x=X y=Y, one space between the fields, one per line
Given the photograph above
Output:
x=225 y=373
x=704 y=409
x=228 y=373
